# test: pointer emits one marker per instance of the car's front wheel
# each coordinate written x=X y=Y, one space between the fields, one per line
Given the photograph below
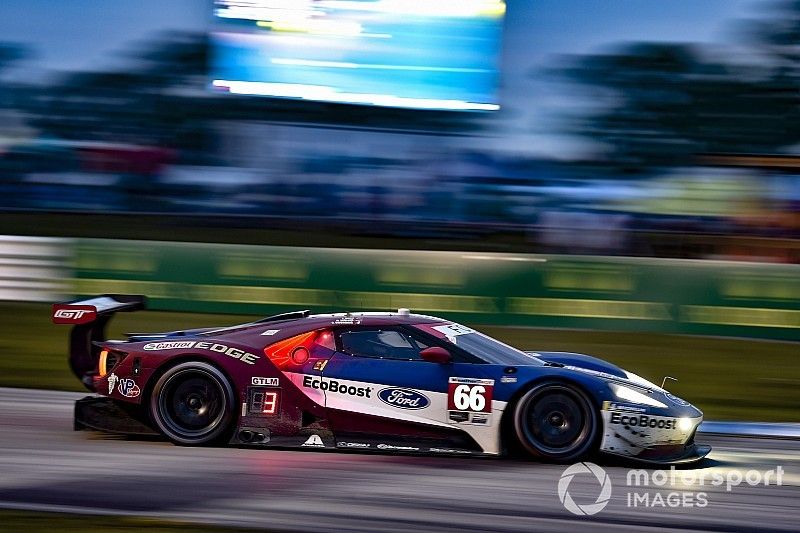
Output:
x=556 y=422
x=192 y=404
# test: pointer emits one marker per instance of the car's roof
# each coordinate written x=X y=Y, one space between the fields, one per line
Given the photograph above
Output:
x=364 y=318
x=379 y=316
x=300 y=321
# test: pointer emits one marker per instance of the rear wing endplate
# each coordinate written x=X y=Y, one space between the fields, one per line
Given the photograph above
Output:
x=89 y=318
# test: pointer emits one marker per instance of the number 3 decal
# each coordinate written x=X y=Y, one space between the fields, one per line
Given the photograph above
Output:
x=470 y=395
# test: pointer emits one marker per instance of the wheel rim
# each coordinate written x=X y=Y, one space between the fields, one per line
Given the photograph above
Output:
x=555 y=420
x=192 y=403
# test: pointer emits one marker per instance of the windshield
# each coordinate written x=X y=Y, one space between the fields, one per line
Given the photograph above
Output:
x=480 y=345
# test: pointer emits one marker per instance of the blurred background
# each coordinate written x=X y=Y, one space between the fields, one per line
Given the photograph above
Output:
x=667 y=129
x=559 y=171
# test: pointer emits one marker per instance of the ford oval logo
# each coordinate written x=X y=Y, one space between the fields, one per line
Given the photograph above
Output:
x=404 y=398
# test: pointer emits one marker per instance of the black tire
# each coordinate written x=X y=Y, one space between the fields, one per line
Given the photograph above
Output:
x=192 y=404
x=556 y=422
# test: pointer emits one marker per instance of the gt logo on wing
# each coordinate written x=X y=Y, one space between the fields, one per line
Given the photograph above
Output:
x=73 y=314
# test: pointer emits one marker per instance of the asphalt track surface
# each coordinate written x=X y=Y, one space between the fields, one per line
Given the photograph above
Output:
x=46 y=466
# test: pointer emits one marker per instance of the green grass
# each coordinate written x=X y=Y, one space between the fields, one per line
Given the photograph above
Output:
x=729 y=379
x=37 y=522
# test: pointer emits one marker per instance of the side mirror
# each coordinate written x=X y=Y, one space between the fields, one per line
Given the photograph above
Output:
x=436 y=354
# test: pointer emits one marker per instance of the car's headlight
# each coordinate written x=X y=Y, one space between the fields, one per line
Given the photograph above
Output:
x=630 y=395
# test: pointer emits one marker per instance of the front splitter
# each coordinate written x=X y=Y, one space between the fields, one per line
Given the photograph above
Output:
x=690 y=454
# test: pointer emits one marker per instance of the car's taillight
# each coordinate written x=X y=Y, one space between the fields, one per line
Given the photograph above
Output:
x=108 y=360
x=102 y=366
x=299 y=349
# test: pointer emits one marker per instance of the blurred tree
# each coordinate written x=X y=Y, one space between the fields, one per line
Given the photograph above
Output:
x=777 y=36
x=175 y=57
x=9 y=53
x=662 y=103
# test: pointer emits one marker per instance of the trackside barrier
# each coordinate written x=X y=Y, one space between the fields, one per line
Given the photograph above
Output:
x=606 y=293
x=34 y=269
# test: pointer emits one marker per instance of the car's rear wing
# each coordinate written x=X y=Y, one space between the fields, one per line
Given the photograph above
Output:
x=89 y=318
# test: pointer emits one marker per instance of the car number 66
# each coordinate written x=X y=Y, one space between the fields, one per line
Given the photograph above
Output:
x=469 y=398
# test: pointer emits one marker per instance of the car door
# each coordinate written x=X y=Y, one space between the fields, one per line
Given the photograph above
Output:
x=380 y=392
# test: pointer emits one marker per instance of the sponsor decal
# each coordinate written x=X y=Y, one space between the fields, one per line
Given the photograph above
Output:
x=644 y=421
x=616 y=406
x=320 y=365
x=314 y=441
x=447 y=450
x=472 y=381
x=451 y=331
x=598 y=373
x=676 y=400
x=347 y=320
x=236 y=353
x=112 y=382
x=403 y=398
x=393 y=447
x=128 y=388
x=331 y=385
x=354 y=445
x=458 y=417
x=270 y=332
x=168 y=345
x=73 y=314
x=479 y=418
x=265 y=382
x=508 y=379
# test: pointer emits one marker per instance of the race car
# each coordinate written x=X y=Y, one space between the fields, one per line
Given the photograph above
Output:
x=387 y=381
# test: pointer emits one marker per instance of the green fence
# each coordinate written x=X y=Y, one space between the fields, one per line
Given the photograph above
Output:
x=696 y=297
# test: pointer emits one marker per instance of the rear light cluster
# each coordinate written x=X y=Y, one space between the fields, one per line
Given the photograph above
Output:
x=108 y=360
x=299 y=349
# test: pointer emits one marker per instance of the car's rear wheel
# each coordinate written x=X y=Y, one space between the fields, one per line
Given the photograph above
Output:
x=556 y=422
x=192 y=404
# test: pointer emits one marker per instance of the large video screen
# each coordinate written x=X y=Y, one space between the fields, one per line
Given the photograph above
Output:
x=422 y=54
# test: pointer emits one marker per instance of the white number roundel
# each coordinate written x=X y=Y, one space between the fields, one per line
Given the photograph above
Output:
x=469 y=398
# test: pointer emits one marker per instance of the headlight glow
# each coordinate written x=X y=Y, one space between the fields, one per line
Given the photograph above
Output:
x=629 y=395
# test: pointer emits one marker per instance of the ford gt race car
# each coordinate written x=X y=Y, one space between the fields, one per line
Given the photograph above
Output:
x=367 y=381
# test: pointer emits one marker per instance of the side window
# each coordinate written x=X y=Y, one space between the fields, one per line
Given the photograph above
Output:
x=381 y=343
